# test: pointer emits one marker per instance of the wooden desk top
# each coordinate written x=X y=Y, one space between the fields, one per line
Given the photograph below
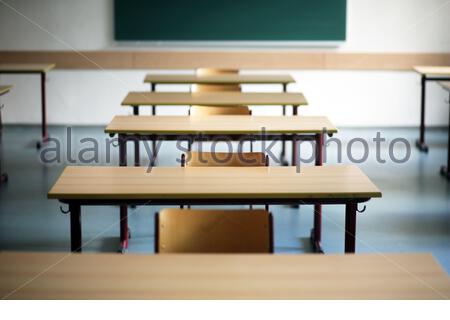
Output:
x=219 y=79
x=243 y=276
x=4 y=89
x=218 y=125
x=26 y=67
x=131 y=183
x=213 y=98
x=433 y=70
x=445 y=85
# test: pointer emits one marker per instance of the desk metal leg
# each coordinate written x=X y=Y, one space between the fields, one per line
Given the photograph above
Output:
x=350 y=227
x=137 y=155
x=124 y=233
x=294 y=147
x=3 y=175
x=44 y=129
x=284 y=162
x=153 y=89
x=316 y=231
x=445 y=169
x=75 y=227
x=420 y=143
x=295 y=150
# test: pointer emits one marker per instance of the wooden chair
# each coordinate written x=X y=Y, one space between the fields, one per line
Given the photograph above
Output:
x=216 y=88
x=204 y=111
x=205 y=72
x=225 y=159
x=218 y=110
x=213 y=231
x=215 y=71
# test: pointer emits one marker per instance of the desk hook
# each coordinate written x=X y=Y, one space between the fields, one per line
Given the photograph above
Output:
x=115 y=142
x=362 y=210
x=64 y=211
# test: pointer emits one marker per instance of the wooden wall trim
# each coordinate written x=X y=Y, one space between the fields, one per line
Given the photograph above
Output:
x=227 y=59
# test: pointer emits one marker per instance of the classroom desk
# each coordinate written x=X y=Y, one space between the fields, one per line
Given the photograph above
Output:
x=445 y=170
x=26 y=275
x=225 y=79
x=137 y=99
x=3 y=175
x=333 y=184
x=170 y=99
x=428 y=73
x=28 y=68
x=155 y=79
x=236 y=128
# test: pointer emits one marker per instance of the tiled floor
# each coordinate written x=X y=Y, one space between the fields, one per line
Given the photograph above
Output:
x=412 y=216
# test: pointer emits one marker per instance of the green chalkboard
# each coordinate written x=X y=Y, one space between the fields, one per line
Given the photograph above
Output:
x=230 y=20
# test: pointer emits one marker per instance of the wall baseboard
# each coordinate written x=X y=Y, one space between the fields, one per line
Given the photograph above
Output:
x=226 y=59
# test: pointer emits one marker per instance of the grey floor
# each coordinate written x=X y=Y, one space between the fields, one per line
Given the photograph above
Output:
x=412 y=216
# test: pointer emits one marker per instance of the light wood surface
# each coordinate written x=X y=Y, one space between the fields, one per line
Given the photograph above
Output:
x=205 y=111
x=214 y=231
x=433 y=70
x=445 y=85
x=119 y=183
x=260 y=59
x=225 y=276
x=225 y=159
x=213 y=99
x=222 y=124
x=4 y=89
x=215 y=71
x=26 y=67
x=220 y=79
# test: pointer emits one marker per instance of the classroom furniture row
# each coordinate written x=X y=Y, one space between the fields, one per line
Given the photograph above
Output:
x=226 y=276
x=428 y=73
x=92 y=186
x=222 y=96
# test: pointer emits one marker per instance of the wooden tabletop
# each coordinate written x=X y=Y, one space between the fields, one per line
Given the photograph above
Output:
x=232 y=276
x=26 y=67
x=4 y=89
x=219 y=79
x=132 y=183
x=445 y=85
x=433 y=70
x=213 y=99
x=219 y=125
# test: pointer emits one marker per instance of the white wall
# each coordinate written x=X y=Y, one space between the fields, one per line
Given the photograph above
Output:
x=355 y=98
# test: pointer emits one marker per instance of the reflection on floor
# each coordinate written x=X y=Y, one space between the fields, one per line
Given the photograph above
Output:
x=412 y=216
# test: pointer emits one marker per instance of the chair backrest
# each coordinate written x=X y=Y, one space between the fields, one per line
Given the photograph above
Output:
x=216 y=87
x=215 y=71
x=213 y=231
x=224 y=159
x=202 y=111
